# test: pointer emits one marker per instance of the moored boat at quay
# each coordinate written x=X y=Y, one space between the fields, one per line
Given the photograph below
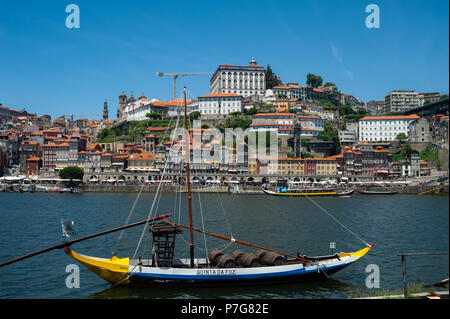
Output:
x=369 y=192
x=309 y=192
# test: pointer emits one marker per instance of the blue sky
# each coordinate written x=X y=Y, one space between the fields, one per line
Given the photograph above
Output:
x=50 y=69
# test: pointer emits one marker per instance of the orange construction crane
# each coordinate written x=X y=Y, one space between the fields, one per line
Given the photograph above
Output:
x=176 y=75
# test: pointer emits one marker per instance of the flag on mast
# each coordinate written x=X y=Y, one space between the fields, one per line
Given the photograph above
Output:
x=68 y=228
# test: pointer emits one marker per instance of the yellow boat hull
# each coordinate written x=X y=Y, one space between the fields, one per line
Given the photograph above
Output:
x=114 y=270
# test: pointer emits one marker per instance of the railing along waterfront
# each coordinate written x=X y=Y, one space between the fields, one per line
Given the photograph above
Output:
x=405 y=282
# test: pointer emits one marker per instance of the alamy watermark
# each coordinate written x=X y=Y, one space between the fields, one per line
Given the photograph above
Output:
x=73 y=19
x=373 y=19
x=373 y=279
x=73 y=279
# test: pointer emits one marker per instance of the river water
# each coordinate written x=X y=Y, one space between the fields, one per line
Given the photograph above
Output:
x=395 y=224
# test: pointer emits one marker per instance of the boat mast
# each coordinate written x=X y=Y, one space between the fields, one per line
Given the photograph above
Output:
x=191 y=244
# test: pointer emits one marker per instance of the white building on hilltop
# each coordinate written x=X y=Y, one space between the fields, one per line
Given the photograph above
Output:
x=243 y=80
x=384 y=128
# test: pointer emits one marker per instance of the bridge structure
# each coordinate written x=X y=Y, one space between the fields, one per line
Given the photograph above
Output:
x=433 y=108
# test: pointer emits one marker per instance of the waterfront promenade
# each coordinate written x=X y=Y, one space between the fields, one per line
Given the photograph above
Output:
x=230 y=189
x=234 y=183
x=237 y=190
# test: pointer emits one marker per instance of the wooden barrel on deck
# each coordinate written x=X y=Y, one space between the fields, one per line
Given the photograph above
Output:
x=226 y=261
x=260 y=252
x=214 y=256
x=249 y=260
x=273 y=259
x=237 y=253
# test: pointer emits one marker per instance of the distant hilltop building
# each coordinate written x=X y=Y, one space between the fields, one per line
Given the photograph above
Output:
x=425 y=98
x=127 y=105
x=375 y=107
x=247 y=81
x=401 y=100
x=132 y=109
x=105 y=111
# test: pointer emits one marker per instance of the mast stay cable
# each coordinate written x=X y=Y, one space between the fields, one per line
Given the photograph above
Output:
x=337 y=221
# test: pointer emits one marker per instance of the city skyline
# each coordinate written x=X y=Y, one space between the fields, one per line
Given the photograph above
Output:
x=50 y=69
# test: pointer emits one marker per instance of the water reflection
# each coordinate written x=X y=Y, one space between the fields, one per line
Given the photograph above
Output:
x=331 y=288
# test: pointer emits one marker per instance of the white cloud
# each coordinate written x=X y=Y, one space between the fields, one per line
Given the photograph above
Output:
x=335 y=52
x=338 y=58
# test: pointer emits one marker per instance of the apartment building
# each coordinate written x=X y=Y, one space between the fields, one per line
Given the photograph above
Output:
x=401 y=100
x=283 y=123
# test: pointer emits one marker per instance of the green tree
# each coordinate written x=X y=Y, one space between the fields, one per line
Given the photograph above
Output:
x=251 y=111
x=154 y=115
x=195 y=115
x=103 y=134
x=234 y=123
x=401 y=137
x=328 y=134
x=71 y=172
x=271 y=78
x=429 y=153
x=313 y=80
x=330 y=84
x=117 y=132
x=406 y=150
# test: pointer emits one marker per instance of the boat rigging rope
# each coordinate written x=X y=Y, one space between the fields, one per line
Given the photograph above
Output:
x=198 y=192
x=218 y=196
x=320 y=268
x=156 y=198
x=225 y=215
x=127 y=220
x=203 y=224
x=337 y=221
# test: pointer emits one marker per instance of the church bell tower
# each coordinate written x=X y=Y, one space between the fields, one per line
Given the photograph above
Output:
x=105 y=111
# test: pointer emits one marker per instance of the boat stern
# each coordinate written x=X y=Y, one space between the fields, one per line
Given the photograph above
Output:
x=114 y=270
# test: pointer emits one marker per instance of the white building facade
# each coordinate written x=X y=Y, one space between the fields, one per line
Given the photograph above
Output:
x=384 y=128
x=243 y=80
x=220 y=103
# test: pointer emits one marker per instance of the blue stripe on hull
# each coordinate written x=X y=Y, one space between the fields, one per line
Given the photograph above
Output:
x=140 y=278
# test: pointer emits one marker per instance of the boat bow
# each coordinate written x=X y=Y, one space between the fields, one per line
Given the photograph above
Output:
x=357 y=254
x=114 y=270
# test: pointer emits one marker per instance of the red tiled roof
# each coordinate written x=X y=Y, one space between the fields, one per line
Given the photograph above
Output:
x=157 y=128
x=275 y=114
x=141 y=157
x=308 y=117
x=392 y=117
x=272 y=124
x=221 y=95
